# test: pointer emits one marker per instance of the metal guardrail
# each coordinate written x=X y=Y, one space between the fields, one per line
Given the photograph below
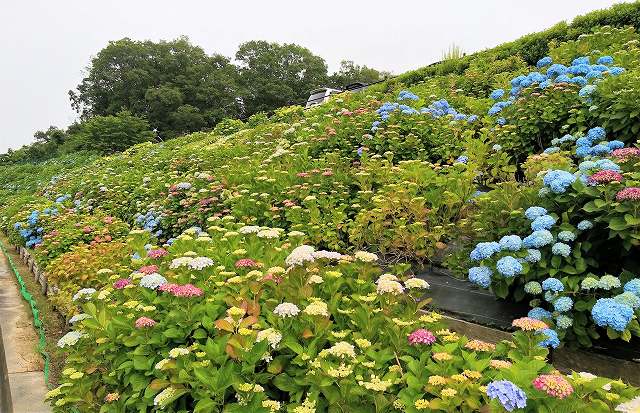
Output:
x=5 y=392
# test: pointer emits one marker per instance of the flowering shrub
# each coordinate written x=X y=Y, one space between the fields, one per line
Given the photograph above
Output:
x=229 y=320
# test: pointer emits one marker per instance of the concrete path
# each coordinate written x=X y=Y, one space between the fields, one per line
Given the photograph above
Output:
x=23 y=363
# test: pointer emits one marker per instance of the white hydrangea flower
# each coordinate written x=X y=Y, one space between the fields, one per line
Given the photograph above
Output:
x=249 y=229
x=366 y=256
x=270 y=233
x=200 y=263
x=78 y=317
x=300 y=255
x=329 y=255
x=70 y=339
x=85 y=293
x=319 y=308
x=416 y=283
x=271 y=335
x=177 y=352
x=153 y=281
x=286 y=310
x=180 y=262
x=389 y=287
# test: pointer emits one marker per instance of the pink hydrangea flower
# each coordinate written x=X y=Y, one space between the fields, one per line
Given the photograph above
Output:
x=421 y=336
x=157 y=253
x=148 y=269
x=554 y=385
x=168 y=288
x=187 y=290
x=629 y=194
x=605 y=177
x=245 y=262
x=121 y=283
x=143 y=322
x=624 y=154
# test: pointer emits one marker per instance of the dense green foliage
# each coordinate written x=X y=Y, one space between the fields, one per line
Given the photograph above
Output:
x=251 y=317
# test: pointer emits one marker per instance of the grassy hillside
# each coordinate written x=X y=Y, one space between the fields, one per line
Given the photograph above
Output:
x=239 y=269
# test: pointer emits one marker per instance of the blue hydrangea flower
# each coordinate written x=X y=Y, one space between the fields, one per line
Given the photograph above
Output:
x=539 y=313
x=579 y=80
x=615 y=144
x=583 y=60
x=607 y=164
x=543 y=222
x=406 y=94
x=538 y=239
x=615 y=71
x=533 y=256
x=566 y=236
x=582 y=151
x=501 y=121
x=563 y=304
x=545 y=61
x=605 y=60
x=484 y=250
x=553 y=285
x=558 y=180
x=497 y=94
x=462 y=159
x=534 y=212
x=633 y=286
x=510 y=243
x=556 y=70
x=510 y=396
x=563 y=79
x=596 y=134
x=584 y=225
x=550 y=338
x=587 y=90
x=480 y=276
x=607 y=312
x=509 y=266
x=560 y=248
x=552 y=149
x=594 y=74
x=599 y=150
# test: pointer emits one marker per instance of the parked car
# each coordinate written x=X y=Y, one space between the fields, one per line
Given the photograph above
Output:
x=319 y=96
x=356 y=87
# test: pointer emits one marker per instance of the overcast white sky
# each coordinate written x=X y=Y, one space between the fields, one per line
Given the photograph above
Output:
x=46 y=44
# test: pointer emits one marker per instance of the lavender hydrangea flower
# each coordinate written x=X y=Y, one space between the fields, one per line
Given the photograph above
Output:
x=510 y=396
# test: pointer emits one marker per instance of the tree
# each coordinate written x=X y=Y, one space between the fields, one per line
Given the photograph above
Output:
x=52 y=135
x=111 y=133
x=349 y=73
x=160 y=82
x=274 y=75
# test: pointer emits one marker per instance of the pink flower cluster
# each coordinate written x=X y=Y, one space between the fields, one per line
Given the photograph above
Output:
x=421 y=336
x=157 y=253
x=629 y=194
x=148 y=269
x=246 y=262
x=554 y=385
x=187 y=290
x=624 y=154
x=604 y=177
x=121 y=283
x=143 y=322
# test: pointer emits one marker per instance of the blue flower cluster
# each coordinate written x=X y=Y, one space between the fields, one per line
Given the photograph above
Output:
x=633 y=286
x=539 y=313
x=480 y=276
x=534 y=212
x=510 y=396
x=543 y=222
x=149 y=221
x=533 y=256
x=563 y=304
x=484 y=250
x=552 y=284
x=510 y=243
x=406 y=94
x=509 y=266
x=550 y=338
x=538 y=239
x=594 y=144
x=585 y=225
x=558 y=180
x=441 y=108
x=581 y=72
x=562 y=249
x=32 y=231
x=607 y=312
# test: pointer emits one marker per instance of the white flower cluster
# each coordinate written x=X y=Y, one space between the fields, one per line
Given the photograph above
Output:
x=329 y=255
x=249 y=229
x=365 y=256
x=178 y=351
x=269 y=233
x=180 y=262
x=271 y=335
x=319 y=308
x=78 y=317
x=341 y=349
x=300 y=255
x=200 y=263
x=286 y=310
x=388 y=284
x=85 y=293
x=152 y=281
x=416 y=283
x=70 y=339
